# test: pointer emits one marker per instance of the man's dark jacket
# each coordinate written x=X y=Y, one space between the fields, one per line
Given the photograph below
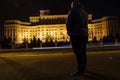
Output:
x=77 y=22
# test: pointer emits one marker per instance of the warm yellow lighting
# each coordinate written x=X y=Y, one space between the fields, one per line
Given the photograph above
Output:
x=56 y=30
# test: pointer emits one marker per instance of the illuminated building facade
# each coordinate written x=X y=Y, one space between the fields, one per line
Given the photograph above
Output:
x=53 y=26
x=108 y=25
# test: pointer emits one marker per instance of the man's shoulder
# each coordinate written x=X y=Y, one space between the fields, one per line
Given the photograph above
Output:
x=75 y=9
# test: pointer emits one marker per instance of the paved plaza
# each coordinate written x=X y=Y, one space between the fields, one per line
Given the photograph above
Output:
x=101 y=65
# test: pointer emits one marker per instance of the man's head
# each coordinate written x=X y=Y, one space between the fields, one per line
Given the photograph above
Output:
x=75 y=3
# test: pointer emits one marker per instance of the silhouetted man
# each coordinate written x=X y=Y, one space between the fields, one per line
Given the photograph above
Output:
x=77 y=29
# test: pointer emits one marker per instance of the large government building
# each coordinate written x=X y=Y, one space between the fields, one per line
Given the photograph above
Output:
x=53 y=26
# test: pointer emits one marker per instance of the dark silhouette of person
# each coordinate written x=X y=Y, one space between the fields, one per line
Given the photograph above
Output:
x=77 y=29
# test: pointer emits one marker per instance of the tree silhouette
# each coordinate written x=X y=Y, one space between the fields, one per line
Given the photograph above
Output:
x=33 y=42
x=6 y=42
x=24 y=43
x=49 y=42
x=110 y=38
x=94 y=40
x=39 y=43
x=104 y=40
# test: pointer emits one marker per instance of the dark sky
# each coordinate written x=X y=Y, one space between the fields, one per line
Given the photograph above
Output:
x=19 y=9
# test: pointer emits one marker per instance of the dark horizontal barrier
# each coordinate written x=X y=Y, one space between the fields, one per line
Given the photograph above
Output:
x=61 y=49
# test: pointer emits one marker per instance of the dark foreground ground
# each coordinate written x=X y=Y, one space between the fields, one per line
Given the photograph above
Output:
x=101 y=65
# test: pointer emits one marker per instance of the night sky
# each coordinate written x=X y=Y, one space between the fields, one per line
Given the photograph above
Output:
x=21 y=9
